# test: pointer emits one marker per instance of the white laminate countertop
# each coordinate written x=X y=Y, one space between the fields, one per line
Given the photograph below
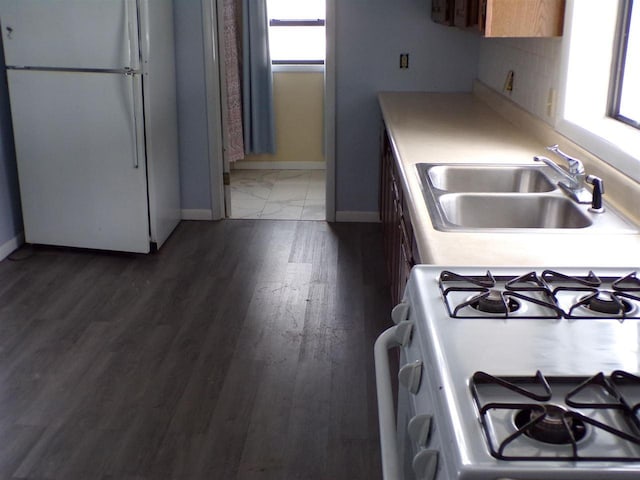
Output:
x=463 y=128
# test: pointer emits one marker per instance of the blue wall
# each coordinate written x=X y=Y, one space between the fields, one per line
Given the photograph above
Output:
x=371 y=35
x=192 y=105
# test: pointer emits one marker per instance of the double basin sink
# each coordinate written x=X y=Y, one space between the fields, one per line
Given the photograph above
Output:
x=481 y=197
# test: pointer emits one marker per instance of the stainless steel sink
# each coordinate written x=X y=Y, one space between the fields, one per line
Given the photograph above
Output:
x=509 y=198
x=511 y=211
x=488 y=178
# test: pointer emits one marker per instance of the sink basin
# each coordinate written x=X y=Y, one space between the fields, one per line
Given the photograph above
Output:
x=512 y=211
x=509 y=198
x=485 y=178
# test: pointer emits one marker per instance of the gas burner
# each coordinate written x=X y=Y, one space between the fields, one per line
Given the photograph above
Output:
x=607 y=303
x=550 y=424
x=494 y=301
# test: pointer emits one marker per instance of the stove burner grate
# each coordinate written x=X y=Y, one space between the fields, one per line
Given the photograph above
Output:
x=606 y=297
x=549 y=295
x=501 y=296
x=556 y=425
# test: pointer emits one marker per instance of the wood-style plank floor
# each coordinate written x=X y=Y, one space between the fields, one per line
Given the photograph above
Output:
x=242 y=349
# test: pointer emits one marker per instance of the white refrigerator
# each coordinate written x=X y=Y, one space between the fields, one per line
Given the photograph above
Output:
x=93 y=102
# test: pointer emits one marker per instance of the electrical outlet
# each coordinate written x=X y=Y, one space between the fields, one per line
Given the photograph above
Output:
x=551 y=103
x=508 y=82
x=404 y=60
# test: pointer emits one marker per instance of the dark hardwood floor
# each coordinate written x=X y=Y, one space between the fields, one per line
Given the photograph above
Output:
x=241 y=350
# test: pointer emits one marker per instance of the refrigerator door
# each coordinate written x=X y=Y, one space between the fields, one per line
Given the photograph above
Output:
x=81 y=160
x=161 y=118
x=70 y=34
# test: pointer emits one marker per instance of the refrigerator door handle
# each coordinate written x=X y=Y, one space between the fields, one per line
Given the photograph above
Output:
x=130 y=15
x=133 y=102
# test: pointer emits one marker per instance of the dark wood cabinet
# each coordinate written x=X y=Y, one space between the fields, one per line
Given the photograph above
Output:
x=465 y=13
x=400 y=247
x=441 y=12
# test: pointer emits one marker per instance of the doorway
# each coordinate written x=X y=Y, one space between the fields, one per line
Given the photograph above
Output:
x=297 y=182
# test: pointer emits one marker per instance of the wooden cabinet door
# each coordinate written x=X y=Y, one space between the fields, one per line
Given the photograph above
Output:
x=522 y=18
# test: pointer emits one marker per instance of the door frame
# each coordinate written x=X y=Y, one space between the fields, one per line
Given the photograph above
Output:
x=214 y=68
x=211 y=9
x=330 y=110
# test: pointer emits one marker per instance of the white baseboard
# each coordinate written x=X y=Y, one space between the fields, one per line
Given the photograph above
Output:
x=358 y=217
x=197 y=214
x=242 y=165
x=10 y=245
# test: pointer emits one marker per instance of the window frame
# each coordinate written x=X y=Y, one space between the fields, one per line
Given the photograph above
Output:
x=622 y=42
x=277 y=22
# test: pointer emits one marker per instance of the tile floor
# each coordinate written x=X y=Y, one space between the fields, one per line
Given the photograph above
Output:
x=278 y=194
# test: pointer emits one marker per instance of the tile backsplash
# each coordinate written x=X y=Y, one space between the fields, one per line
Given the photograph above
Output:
x=535 y=63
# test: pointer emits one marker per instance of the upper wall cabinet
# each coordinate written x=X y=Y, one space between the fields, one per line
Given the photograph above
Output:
x=503 y=18
x=465 y=13
x=441 y=11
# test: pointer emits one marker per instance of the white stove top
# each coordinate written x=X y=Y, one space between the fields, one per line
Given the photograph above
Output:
x=516 y=346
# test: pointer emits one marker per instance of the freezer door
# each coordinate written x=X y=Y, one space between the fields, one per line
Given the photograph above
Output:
x=75 y=34
x=81 y=160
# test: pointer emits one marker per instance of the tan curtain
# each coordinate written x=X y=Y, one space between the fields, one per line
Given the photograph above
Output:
x=233 y=83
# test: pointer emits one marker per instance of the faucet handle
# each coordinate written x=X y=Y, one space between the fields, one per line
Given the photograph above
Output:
x=598 y=191
x=575 y=166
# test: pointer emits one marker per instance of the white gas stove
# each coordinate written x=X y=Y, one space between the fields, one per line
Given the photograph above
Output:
x=513 y=374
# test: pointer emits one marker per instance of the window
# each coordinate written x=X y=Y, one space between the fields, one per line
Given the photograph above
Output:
x=296 y=31
x=626 y=106
x=590 y=52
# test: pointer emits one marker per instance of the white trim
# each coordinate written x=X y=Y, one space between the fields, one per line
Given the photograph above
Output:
x=357 y=217
x=243 y=165
x=330 y=110
x=10 y=245
x=197 y=214
x=214 y=107
x=297 y=68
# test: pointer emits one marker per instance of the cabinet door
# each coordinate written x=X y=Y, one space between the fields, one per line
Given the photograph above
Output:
x=465 y=13
x=441 y=11
x=522 y=18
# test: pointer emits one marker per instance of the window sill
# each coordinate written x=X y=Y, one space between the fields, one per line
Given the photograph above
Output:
x=297 y=68
x=614 y=142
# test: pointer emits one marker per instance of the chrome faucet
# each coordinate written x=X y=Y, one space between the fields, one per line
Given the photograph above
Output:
x=575 y=176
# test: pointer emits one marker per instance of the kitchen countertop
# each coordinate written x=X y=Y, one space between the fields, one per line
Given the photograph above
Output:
x=467 y=128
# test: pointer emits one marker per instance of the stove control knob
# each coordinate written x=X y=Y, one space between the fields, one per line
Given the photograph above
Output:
x=400 y=313
x=425 y=464
x=409 y=376
x=419 y=429
x=403 y=333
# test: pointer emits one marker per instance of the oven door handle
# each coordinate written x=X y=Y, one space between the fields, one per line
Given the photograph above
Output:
x=386 y=415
